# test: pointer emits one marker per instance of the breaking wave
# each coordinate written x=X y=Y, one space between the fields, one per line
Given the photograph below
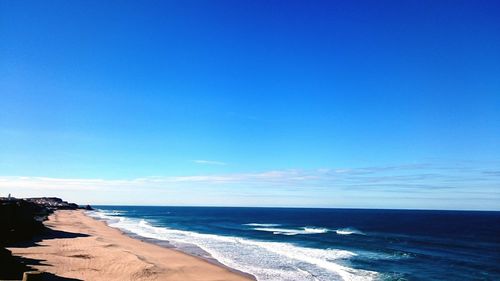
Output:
x=348 y=231
x=290 y=231
x=263 y=224
x=267 y=261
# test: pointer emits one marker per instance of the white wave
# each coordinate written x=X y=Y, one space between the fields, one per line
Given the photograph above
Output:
x=267 y=261
x=348 y=231
x=98 y=214
x=263 y=224
x=290 y=231
x=316 y=230
x=105 y=214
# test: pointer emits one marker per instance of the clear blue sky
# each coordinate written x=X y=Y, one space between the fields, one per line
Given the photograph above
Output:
x=390 y=104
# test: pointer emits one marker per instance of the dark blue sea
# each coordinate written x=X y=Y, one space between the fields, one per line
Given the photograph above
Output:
x=325 y=244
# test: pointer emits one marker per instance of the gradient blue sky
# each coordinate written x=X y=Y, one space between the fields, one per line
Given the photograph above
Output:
x=375 y=104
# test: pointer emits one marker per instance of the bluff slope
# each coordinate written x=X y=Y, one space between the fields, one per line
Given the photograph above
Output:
x=20 y=220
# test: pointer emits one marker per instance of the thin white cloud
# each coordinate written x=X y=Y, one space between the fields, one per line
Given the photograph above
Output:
x=209 y=162
x=379 y=179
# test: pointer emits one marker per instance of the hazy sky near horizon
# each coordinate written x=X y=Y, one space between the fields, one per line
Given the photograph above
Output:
x=375 y=104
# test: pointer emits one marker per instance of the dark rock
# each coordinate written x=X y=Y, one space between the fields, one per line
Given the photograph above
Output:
x=53 y=203
x=11 y=268
x=20 y=220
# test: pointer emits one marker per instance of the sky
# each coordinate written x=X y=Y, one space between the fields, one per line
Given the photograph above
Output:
x=351 y=104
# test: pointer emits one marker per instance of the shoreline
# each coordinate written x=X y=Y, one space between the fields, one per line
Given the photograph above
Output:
x=80 y=247
x=167 y=245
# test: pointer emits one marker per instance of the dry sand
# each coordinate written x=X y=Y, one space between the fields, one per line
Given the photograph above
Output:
x=77 y=246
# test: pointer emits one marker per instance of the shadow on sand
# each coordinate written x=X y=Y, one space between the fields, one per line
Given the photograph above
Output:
x=47 y=234
x=26 y=264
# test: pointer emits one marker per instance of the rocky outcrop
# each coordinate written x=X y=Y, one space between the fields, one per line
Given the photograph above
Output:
x=20 y=220
x=53 y=203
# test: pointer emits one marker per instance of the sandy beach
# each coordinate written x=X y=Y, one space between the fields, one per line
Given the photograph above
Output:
x=82 y=248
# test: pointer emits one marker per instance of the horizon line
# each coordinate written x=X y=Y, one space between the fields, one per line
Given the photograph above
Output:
x=294 y=207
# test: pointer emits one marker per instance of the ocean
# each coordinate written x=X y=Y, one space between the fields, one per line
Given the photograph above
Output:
x=276 y=244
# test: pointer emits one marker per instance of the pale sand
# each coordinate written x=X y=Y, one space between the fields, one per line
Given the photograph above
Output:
x=84 y=248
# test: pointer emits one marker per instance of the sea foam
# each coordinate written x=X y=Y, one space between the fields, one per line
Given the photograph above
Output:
x=348 y=231
x=292 y=231
x=276 y=261
x=263 y=224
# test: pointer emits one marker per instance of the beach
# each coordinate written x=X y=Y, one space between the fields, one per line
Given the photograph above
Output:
x=79 y=247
